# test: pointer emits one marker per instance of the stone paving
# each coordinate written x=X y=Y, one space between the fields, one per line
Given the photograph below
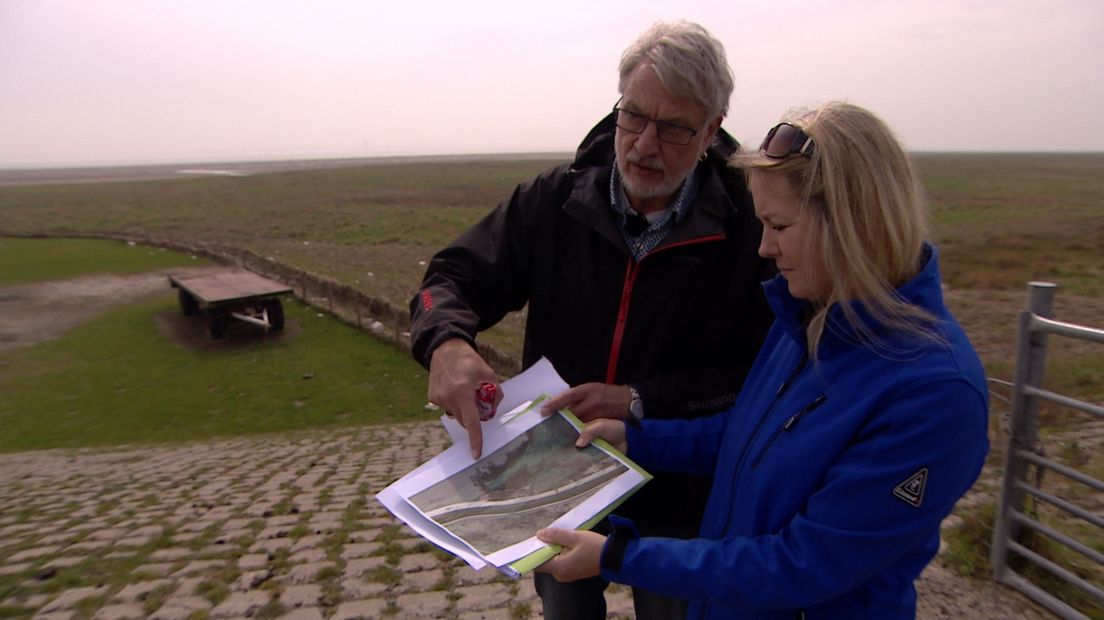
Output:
x=283 y=526
x=272 y=527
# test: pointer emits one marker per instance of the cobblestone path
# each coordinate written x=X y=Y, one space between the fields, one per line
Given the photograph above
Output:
x=280 y=526
x=284 y=526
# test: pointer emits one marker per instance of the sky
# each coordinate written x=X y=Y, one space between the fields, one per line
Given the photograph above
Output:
x=109 y=82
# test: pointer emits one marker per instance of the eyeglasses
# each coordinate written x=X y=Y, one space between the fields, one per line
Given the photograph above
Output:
x=665 y=131
x=785 y=139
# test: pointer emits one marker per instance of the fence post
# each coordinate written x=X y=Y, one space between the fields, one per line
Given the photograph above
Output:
x=1030 y=364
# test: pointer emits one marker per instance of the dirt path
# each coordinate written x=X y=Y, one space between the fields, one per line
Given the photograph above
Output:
x=40 y=311
x=31 y=313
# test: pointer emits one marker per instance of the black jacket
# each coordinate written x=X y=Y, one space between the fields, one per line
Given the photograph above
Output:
x=683 y=324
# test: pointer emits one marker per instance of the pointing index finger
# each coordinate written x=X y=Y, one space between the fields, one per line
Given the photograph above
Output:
x=469 y=419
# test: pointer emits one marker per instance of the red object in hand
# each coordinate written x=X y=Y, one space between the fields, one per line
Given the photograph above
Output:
x=485 y=399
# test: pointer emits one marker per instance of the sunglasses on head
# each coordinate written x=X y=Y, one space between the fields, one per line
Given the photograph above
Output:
x=786 y=139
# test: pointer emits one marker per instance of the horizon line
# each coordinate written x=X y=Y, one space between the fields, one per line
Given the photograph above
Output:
x=352 y=159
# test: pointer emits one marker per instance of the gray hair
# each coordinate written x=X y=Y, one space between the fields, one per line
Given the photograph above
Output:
x=689 y=62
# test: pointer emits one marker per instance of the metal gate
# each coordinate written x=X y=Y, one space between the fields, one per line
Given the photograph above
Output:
x=1027 y=392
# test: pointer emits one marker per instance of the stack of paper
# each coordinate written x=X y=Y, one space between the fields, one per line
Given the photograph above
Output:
x=530 y=476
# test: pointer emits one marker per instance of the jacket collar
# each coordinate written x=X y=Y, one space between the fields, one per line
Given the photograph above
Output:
x=923 y=290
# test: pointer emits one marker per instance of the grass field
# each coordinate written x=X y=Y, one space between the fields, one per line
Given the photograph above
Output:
x=144 y=373
x=123 y=378
x=28 y=260
x=346 y=223
x=1001 y=220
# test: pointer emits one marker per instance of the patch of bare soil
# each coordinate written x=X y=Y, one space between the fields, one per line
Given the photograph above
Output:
x=943 y=595
x=40 y=311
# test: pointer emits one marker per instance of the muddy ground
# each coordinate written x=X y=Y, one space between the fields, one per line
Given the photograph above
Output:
x=40 y=311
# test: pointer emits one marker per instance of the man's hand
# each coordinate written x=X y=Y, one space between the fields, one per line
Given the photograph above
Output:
x=591 y=401
x=579 y=557
x=455 y=373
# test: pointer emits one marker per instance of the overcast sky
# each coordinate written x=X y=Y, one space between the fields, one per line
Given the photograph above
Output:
x=136 y=81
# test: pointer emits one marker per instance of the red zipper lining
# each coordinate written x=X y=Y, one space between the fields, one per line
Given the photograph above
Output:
x=622 y=312
x=631 y=272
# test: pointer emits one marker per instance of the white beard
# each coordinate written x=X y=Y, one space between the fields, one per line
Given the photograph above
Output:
x=651 y=190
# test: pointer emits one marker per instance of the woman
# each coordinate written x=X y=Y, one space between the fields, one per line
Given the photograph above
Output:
x=862 y=422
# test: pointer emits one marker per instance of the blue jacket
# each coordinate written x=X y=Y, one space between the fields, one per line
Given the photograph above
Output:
x=830 y=478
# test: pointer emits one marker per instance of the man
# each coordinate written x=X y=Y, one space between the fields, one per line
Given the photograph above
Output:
x=639 y=264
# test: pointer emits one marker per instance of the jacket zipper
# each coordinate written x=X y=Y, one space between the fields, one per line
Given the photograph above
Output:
x=631 y=271
x=787 y=425
x=763 y=420
x=790 y=423
x=758 y=427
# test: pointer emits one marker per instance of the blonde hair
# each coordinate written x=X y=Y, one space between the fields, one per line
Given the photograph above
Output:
x=868 y=219
x=689 y=62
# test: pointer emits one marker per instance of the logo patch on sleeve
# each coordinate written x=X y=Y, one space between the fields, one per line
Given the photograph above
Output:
x=911 y=491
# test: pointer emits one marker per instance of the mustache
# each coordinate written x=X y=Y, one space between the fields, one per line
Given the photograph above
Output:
x=652 y=163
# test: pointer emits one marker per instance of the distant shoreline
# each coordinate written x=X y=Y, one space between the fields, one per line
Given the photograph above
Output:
x=161 y=171
x=150 y=172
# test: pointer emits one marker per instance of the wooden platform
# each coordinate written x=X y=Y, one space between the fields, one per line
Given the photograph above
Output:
x=229 y=286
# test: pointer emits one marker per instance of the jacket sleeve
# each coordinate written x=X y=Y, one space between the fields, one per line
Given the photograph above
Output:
x=478 y=278
x=683 y=446
x=852 y=527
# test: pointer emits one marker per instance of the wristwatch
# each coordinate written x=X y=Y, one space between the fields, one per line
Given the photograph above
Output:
x=636 y=406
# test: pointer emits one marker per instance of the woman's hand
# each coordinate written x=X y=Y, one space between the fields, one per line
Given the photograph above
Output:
x=612 y=431
x=579 y=557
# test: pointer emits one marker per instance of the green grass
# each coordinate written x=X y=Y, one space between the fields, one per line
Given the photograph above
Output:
x=344 y=223
x=1001 y=220
x=968 y=544
x=122 y=378
x=34 y=260
x=1005 y=219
